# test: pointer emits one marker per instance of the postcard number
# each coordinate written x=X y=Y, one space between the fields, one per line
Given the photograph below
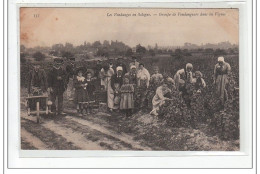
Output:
x=36 y=15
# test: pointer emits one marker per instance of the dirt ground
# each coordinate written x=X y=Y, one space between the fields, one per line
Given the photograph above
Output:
x=104 y=131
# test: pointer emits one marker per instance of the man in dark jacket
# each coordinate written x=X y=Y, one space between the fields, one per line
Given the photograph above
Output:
x=57 y=85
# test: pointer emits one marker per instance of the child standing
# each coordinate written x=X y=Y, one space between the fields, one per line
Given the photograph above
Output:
x=90 y=90
x=199 y=81
x=80 y=85
x=127 y=97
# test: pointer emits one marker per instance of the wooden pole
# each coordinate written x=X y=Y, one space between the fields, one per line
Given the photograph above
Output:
x=38 y=111
x=47 y=111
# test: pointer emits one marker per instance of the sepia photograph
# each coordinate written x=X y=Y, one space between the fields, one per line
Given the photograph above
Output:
x=129 y=79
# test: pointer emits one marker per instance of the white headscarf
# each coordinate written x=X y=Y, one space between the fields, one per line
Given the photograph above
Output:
x=132 y=66
x=119 y=68
x=189 y=65
x=221 y=59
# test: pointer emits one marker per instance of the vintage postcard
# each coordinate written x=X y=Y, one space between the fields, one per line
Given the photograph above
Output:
x=138 y=79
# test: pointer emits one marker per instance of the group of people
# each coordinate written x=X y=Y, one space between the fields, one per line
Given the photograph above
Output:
x=126 y=91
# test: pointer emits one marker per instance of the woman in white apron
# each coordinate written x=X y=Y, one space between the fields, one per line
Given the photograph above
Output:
x=110 y=92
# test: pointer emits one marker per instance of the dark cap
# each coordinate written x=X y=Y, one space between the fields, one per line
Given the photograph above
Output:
x=72 y=59
x=58 y=60
x=91 y=71
x=82 y=69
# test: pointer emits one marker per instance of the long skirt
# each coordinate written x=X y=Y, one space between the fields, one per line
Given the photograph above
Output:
x=80 y=95
x=110 y=96
x=127 y=101
x=221 y=83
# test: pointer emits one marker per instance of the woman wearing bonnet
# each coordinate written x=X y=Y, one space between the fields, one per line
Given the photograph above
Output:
x=116 y=83
x=221 y=72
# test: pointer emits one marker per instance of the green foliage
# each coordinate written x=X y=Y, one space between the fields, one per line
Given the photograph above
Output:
x=140 y=49
x=103 y=52
x=175 y=112
x=219 y=52
x=129 y=52
x=66 y=54
x=39 y=56
x=22 y=58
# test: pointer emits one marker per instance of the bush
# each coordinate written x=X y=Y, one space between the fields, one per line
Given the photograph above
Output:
x=220 y=52
x=175 y=112
x=205 y=108
x=66 y=54
x=22 y=58
x=39 y=56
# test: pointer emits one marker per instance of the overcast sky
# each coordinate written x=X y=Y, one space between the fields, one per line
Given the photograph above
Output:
x=76 y=25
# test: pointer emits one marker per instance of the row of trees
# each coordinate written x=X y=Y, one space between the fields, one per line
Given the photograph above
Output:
x=112 y=49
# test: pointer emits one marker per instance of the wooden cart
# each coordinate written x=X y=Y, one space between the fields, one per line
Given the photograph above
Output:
x=34 y=108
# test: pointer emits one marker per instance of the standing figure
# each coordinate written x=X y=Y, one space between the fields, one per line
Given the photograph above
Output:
x=57 y=85
x=221 y=72
x=90 y=90
x=132 y=76
x=90 y=85
x=157 y=78
x=159 y=98
x=116 y=83
x=155 y=81
x=98 y=67
x=37 y=85
x=103 y=76
x=127 y=97
x=80 y=84
x=71 y=72
x=197 y=100
x=143 y=78
x=183 y=80
x=199 y=81
x=121 y=63
x=110 y=91
x=134 y=63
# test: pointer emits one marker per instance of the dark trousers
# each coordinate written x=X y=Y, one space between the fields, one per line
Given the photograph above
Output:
x=59 y=97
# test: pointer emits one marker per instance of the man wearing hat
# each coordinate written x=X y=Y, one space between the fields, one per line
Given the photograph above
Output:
x=57 y=85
